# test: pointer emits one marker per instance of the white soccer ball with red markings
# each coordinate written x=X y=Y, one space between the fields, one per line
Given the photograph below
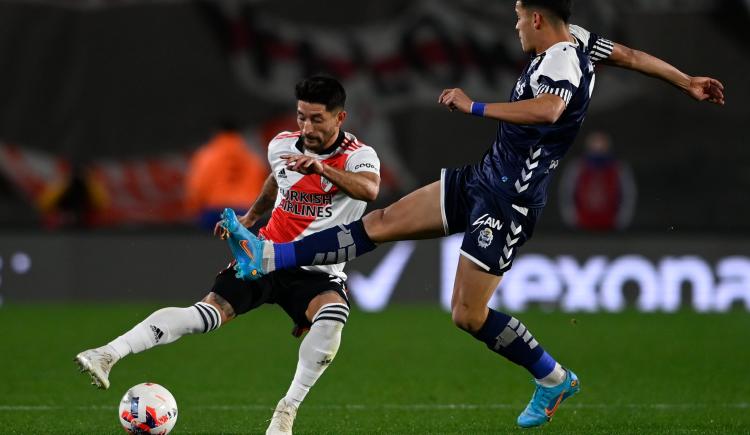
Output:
x=148 y=409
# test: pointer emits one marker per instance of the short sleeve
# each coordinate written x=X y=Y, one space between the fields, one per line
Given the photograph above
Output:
x=559 y=74
x=363 y=160
x=596 y=47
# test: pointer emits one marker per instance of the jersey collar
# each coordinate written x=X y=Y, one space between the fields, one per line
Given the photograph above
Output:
x=575 y=43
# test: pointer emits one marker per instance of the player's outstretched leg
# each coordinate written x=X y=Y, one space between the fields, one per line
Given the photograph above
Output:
x=162 y=327
x=257 y=257
x=246 y=248
x=317 y=351
x=415 y=216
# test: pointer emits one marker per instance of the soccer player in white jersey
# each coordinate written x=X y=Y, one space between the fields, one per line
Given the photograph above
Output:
x=321 y=177
x=495 y=202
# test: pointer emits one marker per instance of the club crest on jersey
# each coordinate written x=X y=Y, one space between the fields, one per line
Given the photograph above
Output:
x=485 y=237
x=325 y=184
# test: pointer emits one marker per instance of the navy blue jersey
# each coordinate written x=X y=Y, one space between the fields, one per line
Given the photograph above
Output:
x=519 y=163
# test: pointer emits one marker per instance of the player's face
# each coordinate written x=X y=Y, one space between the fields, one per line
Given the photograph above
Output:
x=319 y=127
x=525 y=27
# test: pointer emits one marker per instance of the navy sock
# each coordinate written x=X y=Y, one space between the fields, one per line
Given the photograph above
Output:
x=509 y=337
x=331 y=246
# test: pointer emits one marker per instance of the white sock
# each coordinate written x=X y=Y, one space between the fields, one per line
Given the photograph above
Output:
x=269 y=257
x=165 y=326
x=555 y=378
x=318 y=349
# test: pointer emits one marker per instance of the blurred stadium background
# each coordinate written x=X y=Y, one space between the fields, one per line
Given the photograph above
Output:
x=116 y=116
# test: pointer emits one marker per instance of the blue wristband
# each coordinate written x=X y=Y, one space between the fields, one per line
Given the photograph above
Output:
x=477 y=109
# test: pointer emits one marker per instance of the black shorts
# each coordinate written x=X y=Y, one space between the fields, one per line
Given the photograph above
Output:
x=291 y=289
x=494 y=229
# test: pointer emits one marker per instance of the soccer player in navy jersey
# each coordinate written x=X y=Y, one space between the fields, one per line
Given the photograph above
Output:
x=495 y=202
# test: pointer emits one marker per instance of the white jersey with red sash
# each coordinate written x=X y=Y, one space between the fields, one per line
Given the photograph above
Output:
x=306 y=204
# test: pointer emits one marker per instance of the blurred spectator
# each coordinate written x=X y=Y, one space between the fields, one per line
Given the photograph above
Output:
x=597 y=191
x=223 y=173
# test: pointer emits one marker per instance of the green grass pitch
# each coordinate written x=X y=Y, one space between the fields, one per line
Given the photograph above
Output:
x=406 y=370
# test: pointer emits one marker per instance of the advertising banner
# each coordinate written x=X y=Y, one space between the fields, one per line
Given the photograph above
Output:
x=575 y=274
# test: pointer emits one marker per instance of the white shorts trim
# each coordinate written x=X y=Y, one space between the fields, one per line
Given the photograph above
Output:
x=442 y=201
x=474 y=260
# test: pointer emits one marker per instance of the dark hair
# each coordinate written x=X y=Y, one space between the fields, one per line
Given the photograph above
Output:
x=321 y=90
x=561 y=8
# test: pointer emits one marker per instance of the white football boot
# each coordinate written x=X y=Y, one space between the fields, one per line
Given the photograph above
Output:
x=97 y=363
x=283 y=419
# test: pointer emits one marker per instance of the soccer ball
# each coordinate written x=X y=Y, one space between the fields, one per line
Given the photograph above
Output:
x=148 y=409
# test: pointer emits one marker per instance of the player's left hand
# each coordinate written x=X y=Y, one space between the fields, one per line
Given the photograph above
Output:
x=455 y=99
x=303 y=164
x=706 y=89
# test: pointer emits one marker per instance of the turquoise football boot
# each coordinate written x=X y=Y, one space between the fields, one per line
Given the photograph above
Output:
x=246 y=248
x=546 y=400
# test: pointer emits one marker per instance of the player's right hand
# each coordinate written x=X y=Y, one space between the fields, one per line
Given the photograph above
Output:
x=455 y=99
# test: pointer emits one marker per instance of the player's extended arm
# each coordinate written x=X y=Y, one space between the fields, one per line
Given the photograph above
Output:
x=698 y=88
x=358 y=185
x=545 y=109
x=363 y=186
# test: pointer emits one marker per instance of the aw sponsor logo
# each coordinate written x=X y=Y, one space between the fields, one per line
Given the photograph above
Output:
x=487 y=220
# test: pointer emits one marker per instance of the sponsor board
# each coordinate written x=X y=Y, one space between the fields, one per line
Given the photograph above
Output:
x=584 y=274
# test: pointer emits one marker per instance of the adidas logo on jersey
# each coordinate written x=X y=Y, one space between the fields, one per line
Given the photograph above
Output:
x=281 y=173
